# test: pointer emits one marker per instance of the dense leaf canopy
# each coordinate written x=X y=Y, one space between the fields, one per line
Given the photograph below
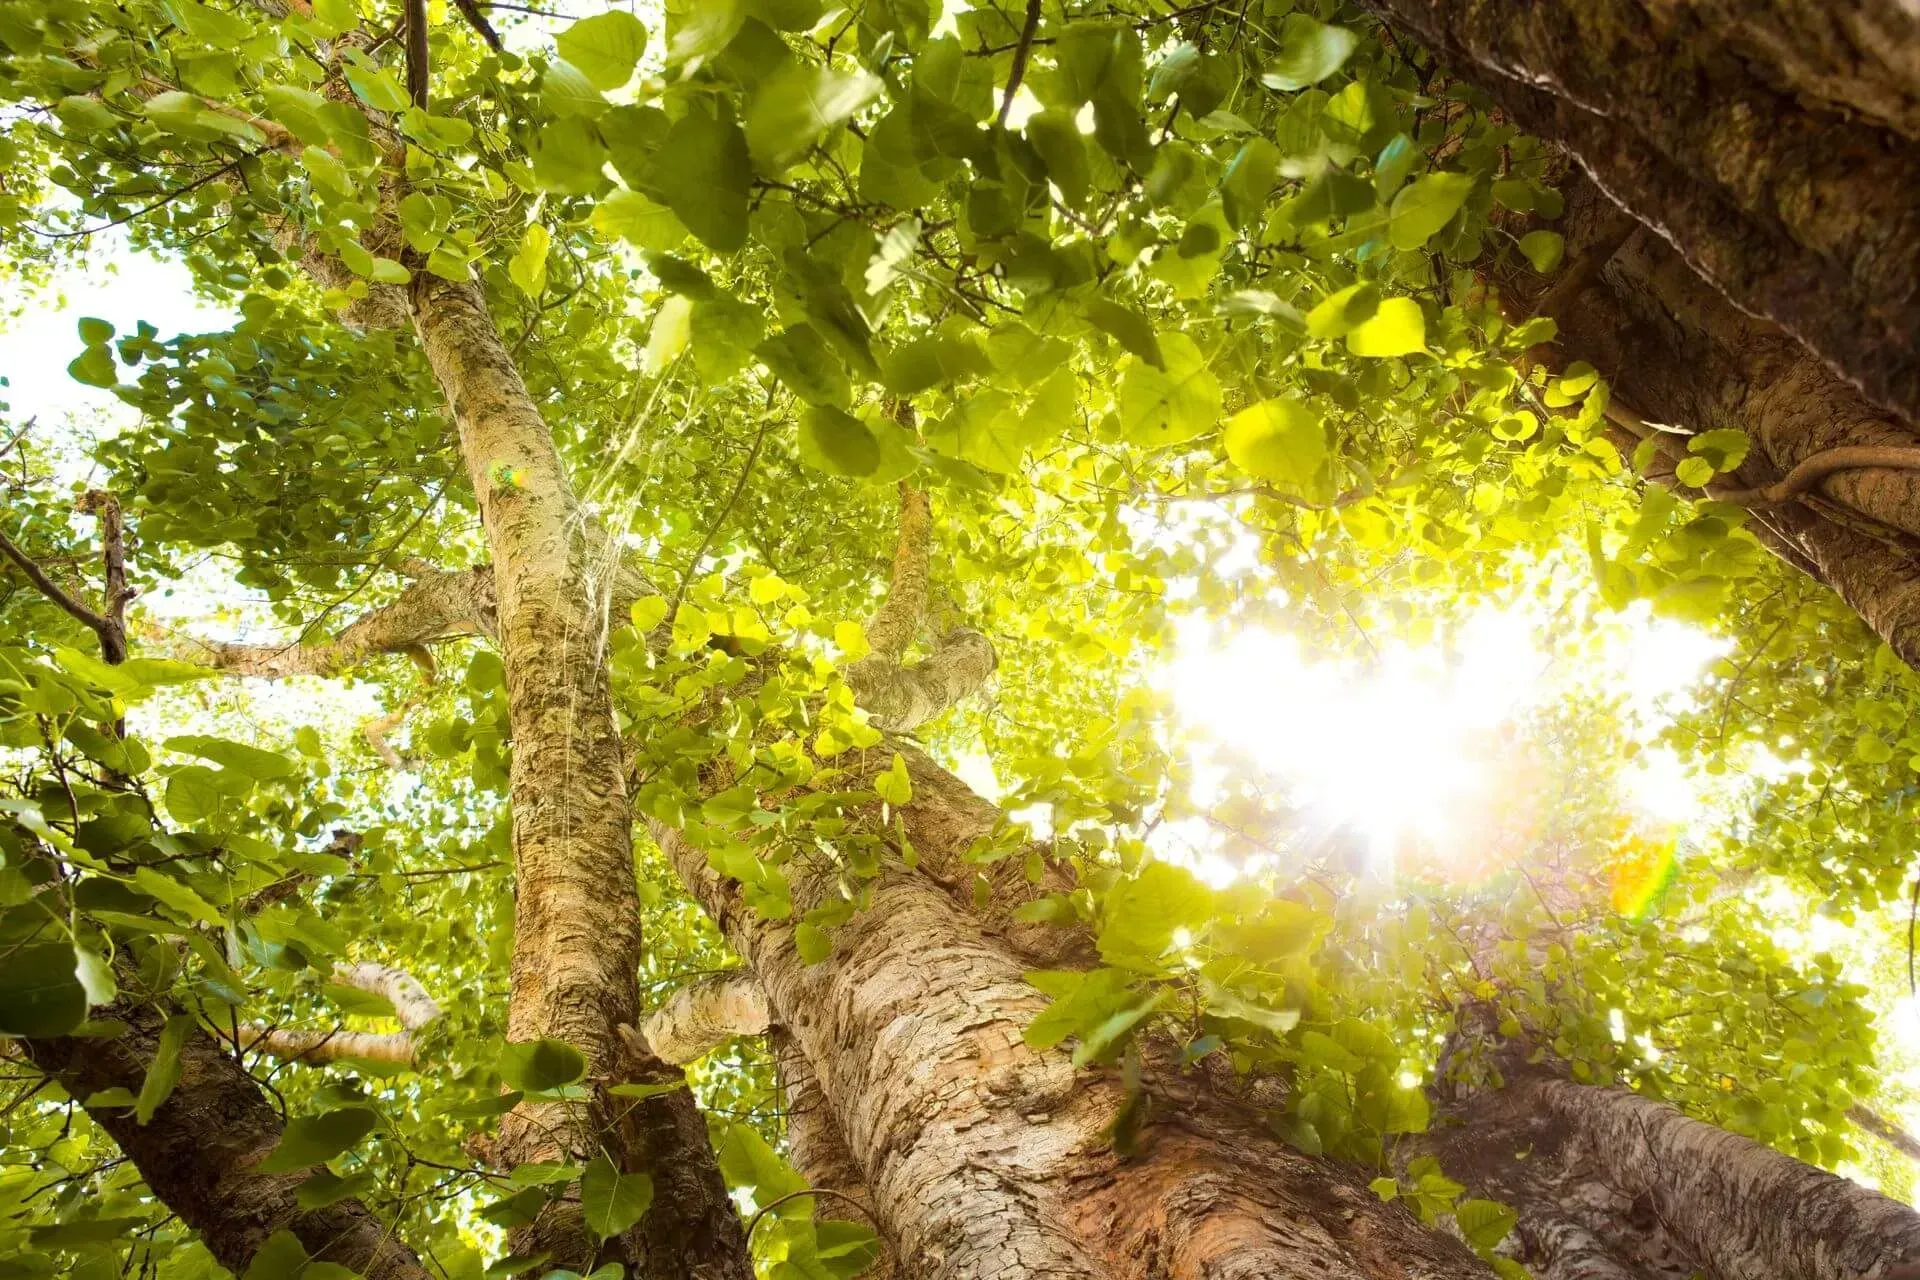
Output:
x=1190 y=321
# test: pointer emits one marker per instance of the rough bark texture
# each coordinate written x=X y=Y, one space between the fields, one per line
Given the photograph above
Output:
x=819 y=1150
x=200 y=1151
x=436 y=605
x=577 y=942
x=1771 y=143
x=988 y=1158
x=1609 y=1184
x=1677 y=354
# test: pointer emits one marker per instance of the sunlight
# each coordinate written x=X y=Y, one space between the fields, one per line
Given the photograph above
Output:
x=1417 y=751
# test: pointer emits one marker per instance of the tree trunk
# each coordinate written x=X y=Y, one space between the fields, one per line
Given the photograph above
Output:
x=987 y=1158
x=1678 y=354
x=1773 y=142
x=200 y=1150
x=1610 y=1185
x=1770 y=150
x=577 y=944
x=817 y=1148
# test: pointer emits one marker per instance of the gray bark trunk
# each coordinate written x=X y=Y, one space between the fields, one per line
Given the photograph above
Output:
x=1610 y=1185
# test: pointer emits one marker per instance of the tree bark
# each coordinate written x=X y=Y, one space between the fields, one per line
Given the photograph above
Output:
x=577 y=944
x=818 y=1149
x=1772 y=143
x=1610 y=1185
x=200 y=1151
x=985 y=1157
x=1677 y=354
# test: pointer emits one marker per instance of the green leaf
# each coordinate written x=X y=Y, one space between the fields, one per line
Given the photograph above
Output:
x=812 y=942
x=1396 y=328
x=176 y=895
x=94 y=367
x=84 y=1232
x=1342 y=310
x=378 y=87
x=528 y=267
x=567 y=93
x=1131 y=329
x=1425 y=205
x=281 y=1258
x=40 y=991
x=636 y=219
x=95 y=332
x=711 y=173
x=1543 y=249
x=895 y=785
x=1309 y=52
x=1281 y=440
x=325 y=1187
x=311 y=1140
x=95 y=974
x=1485 y=1223
x=1694 y=471
x=163 y=1073
x=606 y=47
x=793 y=110
x=540 y=1066
x=836 y=442
x=254 y=763
x=1171 y=405
x=612 y=1201
x=1144 y=915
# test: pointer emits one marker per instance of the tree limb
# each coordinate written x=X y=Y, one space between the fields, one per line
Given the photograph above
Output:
x=895 y=623
x=411 y=1004
x=436 y=605
x=1818 y=468
x=702 y=1015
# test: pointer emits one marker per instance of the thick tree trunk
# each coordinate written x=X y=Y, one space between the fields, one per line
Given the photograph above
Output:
x=987 y=1158
x=1677 y=354
x=819 y=1150
x=577 y=944
x=200 y=1151
x=1610 y=1185
x=1773 y=142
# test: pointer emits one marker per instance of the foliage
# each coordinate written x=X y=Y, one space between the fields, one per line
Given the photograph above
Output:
x=1194 y=324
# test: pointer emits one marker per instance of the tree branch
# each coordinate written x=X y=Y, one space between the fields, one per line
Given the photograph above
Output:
x=702 y=1015
x=897 y=620
x=1021 y=53
x=52 y=590
x=1820 y=466
x=436 y=605
x=411 y=1004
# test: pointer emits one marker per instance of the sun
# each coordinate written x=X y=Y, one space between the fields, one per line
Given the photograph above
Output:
x=1414 y=749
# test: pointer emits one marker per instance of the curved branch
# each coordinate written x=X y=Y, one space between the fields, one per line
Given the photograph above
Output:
x=411 y=1004
x=1831 y=462
x=702 y=1015
x=899 y=699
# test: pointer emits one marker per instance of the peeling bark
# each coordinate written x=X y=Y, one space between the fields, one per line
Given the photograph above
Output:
x=200 y=1152
x=1750 y=136
x=703 y=1015
x=577 y=943
x=411 y=1004
x=1609 y=1184
x=987 y=1158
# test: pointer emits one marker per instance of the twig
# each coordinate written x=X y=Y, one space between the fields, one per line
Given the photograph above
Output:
x=162 y=202
x=1021 y=53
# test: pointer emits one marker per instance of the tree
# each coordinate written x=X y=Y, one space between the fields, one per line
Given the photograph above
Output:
x=1051 y=277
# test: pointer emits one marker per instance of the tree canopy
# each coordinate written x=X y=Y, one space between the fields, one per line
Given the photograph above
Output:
x=1074 y=342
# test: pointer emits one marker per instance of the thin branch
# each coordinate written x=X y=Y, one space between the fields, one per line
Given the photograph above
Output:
x=52 y=590
x=161 y=203
x=419 y=70
x=720 y=518
x=1020 y=55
